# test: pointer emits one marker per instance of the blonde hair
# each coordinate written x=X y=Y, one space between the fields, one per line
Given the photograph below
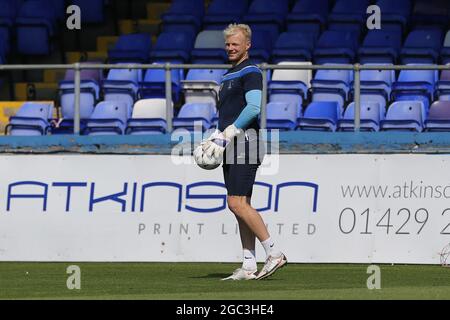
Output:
x=233 y=28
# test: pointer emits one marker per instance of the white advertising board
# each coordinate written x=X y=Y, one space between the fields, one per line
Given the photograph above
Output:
x=318 y=208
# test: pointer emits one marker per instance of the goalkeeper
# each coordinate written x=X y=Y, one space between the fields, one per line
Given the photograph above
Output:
x=239 y=107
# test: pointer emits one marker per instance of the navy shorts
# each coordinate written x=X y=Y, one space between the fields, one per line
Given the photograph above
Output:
x=241 y=161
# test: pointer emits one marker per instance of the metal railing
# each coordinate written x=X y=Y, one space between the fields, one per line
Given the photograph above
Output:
x=168 y=67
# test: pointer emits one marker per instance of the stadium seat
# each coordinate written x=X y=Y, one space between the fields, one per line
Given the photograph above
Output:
x=268 y=15
x=445 y=51
x=375 y=86
x=92 y=10
x=131 y=48
x=154 y=84
x=223 y=12
x=290 y=84
x=415 y=85
x=336 y=47
x=320 y=116
x=282 y=115
x=404 y=116
x=175 y=47
x=192 y=115
x=184 y=15
x=438 y=117
x=202 y=85
x=395 y=15
x=8 y=14
x=422 y=46
x=293 y=46
x=443 y=86
x=348 y=15
x=36 y=27
x=332 y=85
x=261 y=48
x=380 y=46
x=428 y=13
x=209 y=47
x=108 y=118
x=149 y=117
x=308 y=16
x=370 y=116
x=122 y=85
x=32 y=119
x=89 y=96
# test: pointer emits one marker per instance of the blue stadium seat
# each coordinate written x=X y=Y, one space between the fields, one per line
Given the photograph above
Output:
x=443 y=86
x=290 y=85
x=184 y=15
x=348 y=15
x=332 y=85
x=415 y=85
x=89 y=95
x=154 y=84
x=380 y=46
x=175 y=47
x=445 y=52
x=267 y=14
x=32 y=119
x=370 y=116
x=308 y=16
x=404 y=116
x=202 y=85
x=336 y=47
x=108 y=118
x=92 y=10
x=438 y=117
x=209 y=47
x=36 y=27
x=131 y=48
x=149 y=117
x=223 y=12
x=376 y=86
x=320 y=116
x=422 y=46
x=282 y=115
x=194 y=114
x=293 y=46
x=261 y=48
x=395 y=14
x=428 y=13
x=8 y=14
x=122 y=85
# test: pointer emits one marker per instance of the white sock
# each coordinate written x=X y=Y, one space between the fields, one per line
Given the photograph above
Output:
x=249 y=259
x=270 y=248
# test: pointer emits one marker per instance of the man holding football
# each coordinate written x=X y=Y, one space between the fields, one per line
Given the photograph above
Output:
x=239 y=106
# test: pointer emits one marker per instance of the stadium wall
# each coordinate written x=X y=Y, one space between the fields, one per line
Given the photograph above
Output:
x=344 y=197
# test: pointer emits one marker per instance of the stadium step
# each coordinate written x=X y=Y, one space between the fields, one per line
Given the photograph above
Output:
x=104 y=43
x=75 y=56
x=54 y=75
x=150 y=26
x=36 y=91
x=154 y=10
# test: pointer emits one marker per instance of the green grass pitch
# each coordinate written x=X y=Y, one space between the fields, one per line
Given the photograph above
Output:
x=198 y=281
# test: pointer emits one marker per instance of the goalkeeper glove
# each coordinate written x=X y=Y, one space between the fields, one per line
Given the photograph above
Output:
x=216 y=146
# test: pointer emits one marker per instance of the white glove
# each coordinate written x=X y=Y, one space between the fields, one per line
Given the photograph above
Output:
x=216 y=146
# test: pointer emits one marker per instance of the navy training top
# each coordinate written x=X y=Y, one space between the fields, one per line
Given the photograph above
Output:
x=236 y=82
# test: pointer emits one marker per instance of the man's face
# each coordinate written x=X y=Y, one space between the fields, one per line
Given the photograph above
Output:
x=237 y=47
